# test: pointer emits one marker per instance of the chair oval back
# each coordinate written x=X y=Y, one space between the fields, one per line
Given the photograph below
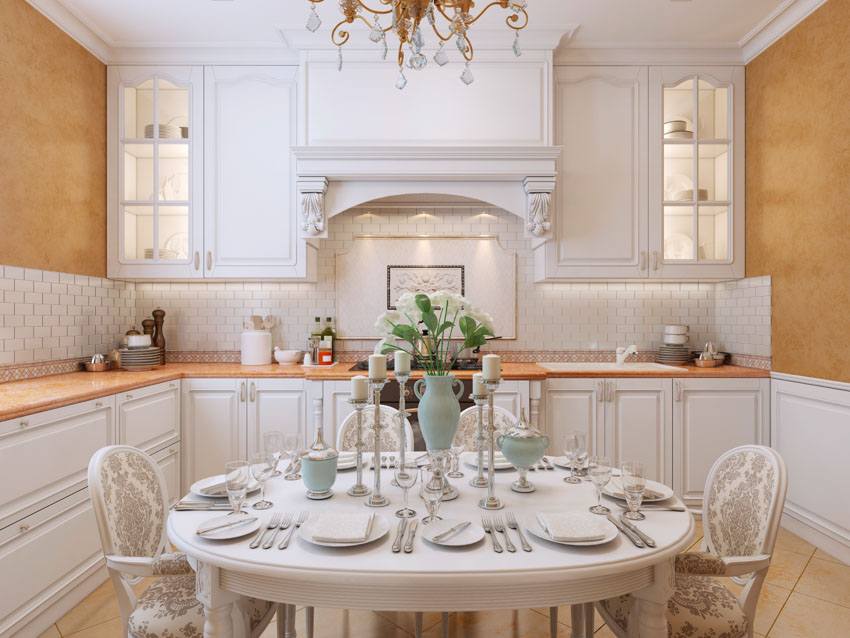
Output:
x=743 y=502
x=128 y=495
x=502 y=418
x=390 y=434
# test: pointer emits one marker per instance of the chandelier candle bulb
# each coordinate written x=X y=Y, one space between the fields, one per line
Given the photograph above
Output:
x=478 y=388
x=402 y=363
x=377 y=366
x=491 y=367
x=359 y=388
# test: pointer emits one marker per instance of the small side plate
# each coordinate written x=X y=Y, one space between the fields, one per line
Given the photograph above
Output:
x=469 y=536
x=533 y=526
x=227 y=533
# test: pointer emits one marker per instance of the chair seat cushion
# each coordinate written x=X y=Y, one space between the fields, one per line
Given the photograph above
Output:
x=701 y=607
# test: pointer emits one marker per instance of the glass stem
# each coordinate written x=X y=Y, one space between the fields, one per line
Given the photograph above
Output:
x=263 y=491
x=404 y=489
x=598 y=496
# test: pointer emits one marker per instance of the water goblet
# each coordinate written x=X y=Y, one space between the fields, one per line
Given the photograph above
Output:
x=432 y=492
x=236 y=478
x=262 y=467
x=575 y=451
x=273 y=444
x=599 y=468
x=293 y=444
x=458 y=446
x=634 y=483
x=405 y=477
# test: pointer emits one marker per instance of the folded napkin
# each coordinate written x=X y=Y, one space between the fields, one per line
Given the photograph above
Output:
x=333 y=527
x=615 y=486
x=217 y=489
x=572 y=527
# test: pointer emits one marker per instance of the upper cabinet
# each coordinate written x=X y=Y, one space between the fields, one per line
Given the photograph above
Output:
x=651 y=179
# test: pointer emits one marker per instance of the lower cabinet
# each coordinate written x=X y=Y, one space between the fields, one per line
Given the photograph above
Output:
x=169 y=462
x=575 y=404
x=149 y=418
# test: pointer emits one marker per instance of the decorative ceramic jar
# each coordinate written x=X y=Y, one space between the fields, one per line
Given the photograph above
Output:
x=318 y=468
x=523 y=446
x=439 y=410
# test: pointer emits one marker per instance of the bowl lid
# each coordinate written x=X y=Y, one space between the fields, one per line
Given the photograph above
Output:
x=522 y=429
x=319 y=451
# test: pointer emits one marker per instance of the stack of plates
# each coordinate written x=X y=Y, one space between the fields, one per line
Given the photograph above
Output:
x=138 y=359
x=677 y=130
x=164 y=253
x=165 y=131
x=673 y=354
x=688 y=195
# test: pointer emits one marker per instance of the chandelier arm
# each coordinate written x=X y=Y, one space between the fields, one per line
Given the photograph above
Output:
x=444 y=39
x=401 y=54
x=484 y=10
x=360 y=2
x=468 y=52
x=514 y=18
x=344 y=35
x=440 y=9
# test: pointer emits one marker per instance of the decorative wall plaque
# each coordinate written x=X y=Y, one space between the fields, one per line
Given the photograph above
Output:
x=423 y=279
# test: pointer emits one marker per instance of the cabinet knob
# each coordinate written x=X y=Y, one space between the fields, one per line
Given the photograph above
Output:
x=98 y=404
x=643 y=260
x=25 y=528
x=601 y=393
x=655 y=260
x=129 y=396
x=253 y=391
x=242 y=392
x=172 y=450
x=172 y=385
x=25 y=424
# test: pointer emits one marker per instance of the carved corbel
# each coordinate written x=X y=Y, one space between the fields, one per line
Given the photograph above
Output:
x=539 y=194
x=311 y=195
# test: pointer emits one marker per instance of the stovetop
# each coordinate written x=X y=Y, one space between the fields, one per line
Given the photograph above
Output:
x=460 y=364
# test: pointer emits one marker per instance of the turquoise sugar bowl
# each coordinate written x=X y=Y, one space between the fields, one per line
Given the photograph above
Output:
x=318 y=469
x=523 y=447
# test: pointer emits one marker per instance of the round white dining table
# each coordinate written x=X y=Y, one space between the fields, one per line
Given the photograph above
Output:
x=436 y=578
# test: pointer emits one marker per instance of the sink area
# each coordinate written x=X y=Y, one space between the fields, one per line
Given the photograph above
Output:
x=631 y=366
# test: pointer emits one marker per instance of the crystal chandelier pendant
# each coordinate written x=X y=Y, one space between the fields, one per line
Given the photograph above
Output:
x=518 y=5
x=339 y=60
x=314 y=21
x=377 y=33
x=466 y=77
x=384 y=48
x=401 y=82
x=418 y=62
x=429 y=14
x=461 y=43
x=418 y=41
x=517 y=49
x=441 y=57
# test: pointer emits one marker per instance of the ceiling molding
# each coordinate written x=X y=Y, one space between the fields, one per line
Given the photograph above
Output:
x=203 y=53
x=75 y=26
x=724 y=54
x=784 y=18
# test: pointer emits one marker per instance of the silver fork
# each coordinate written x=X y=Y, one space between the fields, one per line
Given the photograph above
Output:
x=285 y=542
x=488 y=527
x=548 y=463
x=274 y=521
x=285 y=522
x=515 y=526
x=500 y=526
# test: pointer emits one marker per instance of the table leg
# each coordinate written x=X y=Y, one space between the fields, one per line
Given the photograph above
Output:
x=649 y=616
x=218 y=603
x=553 y=622
x=444 y=623
x=218 y=623
x=588 y=620
x=290 y=622
x=417 y=624
x=309 y=615
x=577 y=622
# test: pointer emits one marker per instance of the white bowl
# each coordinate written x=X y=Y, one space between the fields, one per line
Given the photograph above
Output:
x=138 y=341
x=675 y=330
x=679 y=340
x=287 y=357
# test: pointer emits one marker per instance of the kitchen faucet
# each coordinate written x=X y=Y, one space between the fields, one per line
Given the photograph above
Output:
x=623 y=353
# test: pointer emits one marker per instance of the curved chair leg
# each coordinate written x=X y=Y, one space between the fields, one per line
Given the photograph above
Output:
x=444 y=622
x=417 y=624
x=309 y=614
x=553 y=622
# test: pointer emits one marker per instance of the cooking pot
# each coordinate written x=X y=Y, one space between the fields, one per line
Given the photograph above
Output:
x=471 y=353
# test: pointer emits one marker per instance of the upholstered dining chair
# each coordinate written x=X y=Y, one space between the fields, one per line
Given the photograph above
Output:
x=502 y=419
x=742 y=506
x=128 y=495
x=390 y=434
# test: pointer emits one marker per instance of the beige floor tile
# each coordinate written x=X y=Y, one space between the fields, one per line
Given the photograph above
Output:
x=565 y=618
x=785 y=568
x=605 y=632
x=108 y=629
x=806 y=617
x=819 y=553
x=827 y=581
x=52 y=632
x=699 y=530
x=522 y=623
x=100 y=606
x=771 y=600
x=344 y=623
x=270 y=630
x=787 y=540
x=405 y=619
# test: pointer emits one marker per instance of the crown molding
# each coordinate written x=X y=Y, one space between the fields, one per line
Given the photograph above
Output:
x=784 y=18
x=203 y=53
x=721 y=54
x=76 y=27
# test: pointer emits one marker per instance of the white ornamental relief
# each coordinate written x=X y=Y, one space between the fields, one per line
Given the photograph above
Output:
x=313 y=212
x=538 y=213
x=423 y=279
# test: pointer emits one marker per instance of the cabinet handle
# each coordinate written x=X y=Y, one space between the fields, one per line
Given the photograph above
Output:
x=610 y=391
x=171 y=385
x=253 y=391
x=24 y=528
x=129 y=396
x=643 y=260
x=171 y=450
x=242 y=392
x=601 y=392
x=209 y=260
x=655 y=260
x=197 y=260
x=25 y=424
x=98 y=404
x=678 y=385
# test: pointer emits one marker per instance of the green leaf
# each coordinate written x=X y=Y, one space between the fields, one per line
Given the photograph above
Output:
x=408 y=333
x=388 y=348
x=430 y=321
x=423 y=302
x=483 y=330
x=466 y=325
x=448 y=325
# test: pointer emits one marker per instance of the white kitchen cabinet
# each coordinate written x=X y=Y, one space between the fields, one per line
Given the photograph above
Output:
x=575 y=404
x=512 y=396
x=149 y=418
x=710 y=417
x=275 y=404
x=170 y=460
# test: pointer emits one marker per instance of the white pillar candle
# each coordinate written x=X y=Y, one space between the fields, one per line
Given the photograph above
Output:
x=402 y=362
x=359 y=388
x=478 y=388
x=491 y=367
x=377 y=366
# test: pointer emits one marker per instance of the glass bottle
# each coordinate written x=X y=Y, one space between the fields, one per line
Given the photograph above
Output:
x=315 y=338
x=329 y=333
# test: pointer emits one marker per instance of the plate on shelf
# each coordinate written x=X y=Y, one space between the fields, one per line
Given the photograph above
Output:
x=501 y=463
x=662 y=489
x=197 y=486
x=678 y=246
x=533 y=526
x=236 y=531
x=471 y=535
x=380 y=527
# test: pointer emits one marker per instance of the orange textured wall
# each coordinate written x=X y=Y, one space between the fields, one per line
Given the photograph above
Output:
x=798 y=191
x=52 y=147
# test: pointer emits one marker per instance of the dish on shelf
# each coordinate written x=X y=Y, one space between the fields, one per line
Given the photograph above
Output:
x=164 y=253
x=165 y=131
x=179 y=243
x=679 y=135
x=175 y=188
x=676 y=184
x=675 y=126
x=688 y=195
x=678 y=246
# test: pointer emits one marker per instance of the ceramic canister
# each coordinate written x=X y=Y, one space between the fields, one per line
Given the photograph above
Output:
x=318 y=469
x=522 y=445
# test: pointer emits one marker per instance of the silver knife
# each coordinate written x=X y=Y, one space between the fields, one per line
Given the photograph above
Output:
x=408 y=546
x=646 y=539
x=399 y=535
x=629 y=534
x=457 y=529
x=236 y=523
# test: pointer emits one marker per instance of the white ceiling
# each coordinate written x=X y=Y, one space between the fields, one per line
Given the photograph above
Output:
x=604 y=23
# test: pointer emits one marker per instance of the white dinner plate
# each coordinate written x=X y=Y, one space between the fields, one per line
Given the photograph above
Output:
x=352 y=464
x=471 y=459
x=665 y=492
x=197 y=486
x=380 y=527
x=229 y=532
x=469 y=536
x=533 y=526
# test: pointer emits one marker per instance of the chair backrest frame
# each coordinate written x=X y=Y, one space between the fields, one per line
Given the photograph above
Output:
x=473 y=411
x=388 y=413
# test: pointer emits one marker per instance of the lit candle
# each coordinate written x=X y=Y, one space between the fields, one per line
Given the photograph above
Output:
x=491 y=367
x=377 y=366
x=478 y=388
x=402 y=362
x=359 y=388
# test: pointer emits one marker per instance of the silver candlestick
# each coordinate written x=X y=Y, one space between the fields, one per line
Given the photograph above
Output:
x=480 y=480
x=402 y=378
x=491 y=502
x=359 y=489
x=377 y=499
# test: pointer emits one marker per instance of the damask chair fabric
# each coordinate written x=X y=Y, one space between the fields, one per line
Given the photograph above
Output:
x=503 y=420
x=390 y=434
x=742 y=507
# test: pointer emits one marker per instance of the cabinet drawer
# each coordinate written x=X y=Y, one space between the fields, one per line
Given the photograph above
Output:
x=169 y=464
x=149 y=418
x=45 y=456
x=43 y=553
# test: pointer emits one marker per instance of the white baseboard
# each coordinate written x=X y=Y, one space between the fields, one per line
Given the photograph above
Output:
x=818 y=538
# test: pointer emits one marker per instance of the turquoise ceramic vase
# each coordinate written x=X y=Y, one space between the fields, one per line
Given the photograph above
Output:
x=439 y=410
x=318 y=469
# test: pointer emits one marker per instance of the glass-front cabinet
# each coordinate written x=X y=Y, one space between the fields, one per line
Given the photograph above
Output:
x=156 y=172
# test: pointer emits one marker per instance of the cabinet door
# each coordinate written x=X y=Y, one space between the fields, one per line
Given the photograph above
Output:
x=639 y=425
x=335 y=395
x=275 y=404
x=696 y=175
x=250 y=203
x=712 y=416
x=168 y=460
x=512 y=396
x=155 y=163
x=575 y=404
x=214 y=426
x=600 y=202
x=149 y=418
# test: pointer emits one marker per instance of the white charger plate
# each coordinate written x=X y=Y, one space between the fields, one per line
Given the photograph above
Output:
x=533 y=526
x=380 y=527
x=229 y=532
x=197 y=486
x=469 y=536
x=352 y=464
x=666 y=492
x=471 y=459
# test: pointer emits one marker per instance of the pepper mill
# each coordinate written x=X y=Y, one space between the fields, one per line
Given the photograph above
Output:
x=147 y=328
x=158 y=335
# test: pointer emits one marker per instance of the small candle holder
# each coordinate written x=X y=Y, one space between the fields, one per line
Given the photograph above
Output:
x=490 y=502
x=377 y=499
x=402 y=378
x=480 y=480
x=359 y=489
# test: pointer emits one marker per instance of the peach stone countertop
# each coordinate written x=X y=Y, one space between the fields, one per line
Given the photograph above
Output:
x=20 y=398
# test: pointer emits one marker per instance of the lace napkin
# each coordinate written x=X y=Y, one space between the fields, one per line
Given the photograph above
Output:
x=333 y=527
x=572 y=527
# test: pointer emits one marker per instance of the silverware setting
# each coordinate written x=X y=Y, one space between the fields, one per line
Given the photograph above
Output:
x=500 y=527
x=285 y=522
x=457 y=529
x=656 y=508
x=629 y=534
x=548 y=464
x=512 y=523
x=274 y=521
x=234 y=523
x=408 y=546
x=302 y=517
x=399 y=534
x=634 y=528
x=201 y=506
x=486 y=523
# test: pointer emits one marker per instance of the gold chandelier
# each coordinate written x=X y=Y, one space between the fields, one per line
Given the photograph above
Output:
x=406 y=18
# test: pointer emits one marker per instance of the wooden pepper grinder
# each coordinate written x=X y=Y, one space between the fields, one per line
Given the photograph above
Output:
x=147 y=328
x=158 y=335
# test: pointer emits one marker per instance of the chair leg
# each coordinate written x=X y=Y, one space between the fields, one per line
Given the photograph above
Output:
x=553 y=622
x=444 y=621
x=417 y=624
x=309 y=614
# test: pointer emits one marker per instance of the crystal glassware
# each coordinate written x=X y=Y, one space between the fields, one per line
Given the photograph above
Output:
x=634 y=483
x=293 y=444
x=575 y=450
x=262 y=468
x=405 y=477
x=599 y=469
x=273 y=444
x=236 y=478
x=432 y=492
x=458 y=446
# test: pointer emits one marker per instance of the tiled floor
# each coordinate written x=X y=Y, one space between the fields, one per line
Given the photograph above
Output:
x=806 y=594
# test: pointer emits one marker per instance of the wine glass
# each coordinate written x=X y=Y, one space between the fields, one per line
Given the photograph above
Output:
x=292 y=445
x=599 y=468
x=634 y=484
x=458 y=446
x=575 y=450
x=236 y=478
x=432 y=491
x=262 y=467
x=273 y=444
x=405 y=477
